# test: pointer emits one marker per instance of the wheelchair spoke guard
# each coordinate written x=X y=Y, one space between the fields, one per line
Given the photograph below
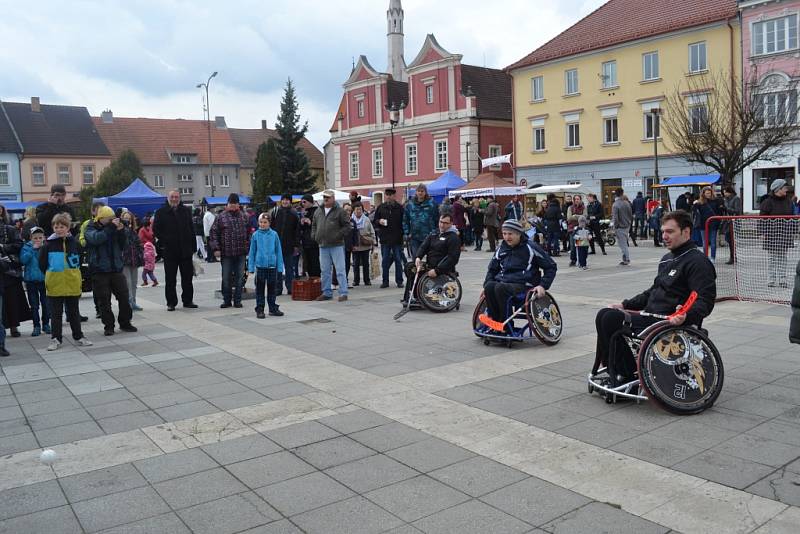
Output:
x=439 y=294
x=544 y=317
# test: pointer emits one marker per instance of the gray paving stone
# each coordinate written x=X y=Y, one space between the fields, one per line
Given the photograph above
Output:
x=284 y=391
x=144 y=379
x=278 y=527
x=472 y=517
x=245 y=371
x=13 y=427
x=156 y=388
x=199 y=488
x=8 y=401
x=694 y=433
x=504 y=384
x=68 y=433
x=430 y=454
x=304 y=493
x=333 y=452
x=162 y=524
x=468 y=393
x=505 y=405
x=188 y=410
x=761 y=450
x=549 y=417
x=657 y=449
x=751 y=404
x=600 y=517
x=104 y=397
x=32 y=498
x=730 y=419
x=60 y=520
x=371 y=473
x=18 y=442
x=229 y=514
x=130 y=421
x=240 y=449
x=387 y=437
x=219 y=389
x=238 y=400
x=209 y=377
x=119 y=508
x=352 y=516
x=478 y=476
x=354 y=421
x=535 y=501
x=264 y=380
x=778 y=430
x=599 y=432
x=50 y=406
x=185 y=371
x=112 y=409
x=724 y=469
x=56 y=392
x=266 y=470
x=782 y=485
x=37 y=385
x=49 y=420
x=416 y=498
x=301 y=434
x=174 y=465
x=101 y=482
x=169 y=398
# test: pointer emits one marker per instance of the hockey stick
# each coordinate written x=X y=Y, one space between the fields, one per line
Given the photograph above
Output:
x=683 y=309
x=407 y=307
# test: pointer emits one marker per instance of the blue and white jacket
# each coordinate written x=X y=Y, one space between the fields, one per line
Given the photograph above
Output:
x=527 y=264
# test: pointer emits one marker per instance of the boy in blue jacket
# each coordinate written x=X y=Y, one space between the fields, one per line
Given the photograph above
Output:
x=34 y=281
x=266 y=260
x=518 y=265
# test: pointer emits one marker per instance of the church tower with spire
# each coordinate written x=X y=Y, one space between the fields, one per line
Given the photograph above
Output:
x=396 y=65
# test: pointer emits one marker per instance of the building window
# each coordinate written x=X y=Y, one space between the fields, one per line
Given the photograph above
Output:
x=610 y=131
x=699 y=116
x=186 y=178
x=183 y=158
x=158 y=181
x=224 y=181
x=573 y=135
x=4 y=174
x=186 y=191
x=429 y=94
x=697 y=57
x=87 y=171
x=537 y=88
x=377 y=162
x=776 y=35
x=495 y=151
x=64 y=174
x=652 y=126
x=650 y=69
x=360 y=108
x=38 y=174
x=411 y=159
x=777 y=109
x=354 y=165
x=441 y=155
x=571 y=82
x=609 y=75
x=207 y=180
x=538 y=140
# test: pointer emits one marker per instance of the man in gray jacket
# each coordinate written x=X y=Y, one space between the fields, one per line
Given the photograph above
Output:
x=330 y=227
x=622 y=218
x=492 y=221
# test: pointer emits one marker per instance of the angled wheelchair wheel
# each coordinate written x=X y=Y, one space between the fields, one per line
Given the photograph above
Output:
x=440 y=294
x=479 y=309
x=611 y=240
x=544 y=318
x=681 y=369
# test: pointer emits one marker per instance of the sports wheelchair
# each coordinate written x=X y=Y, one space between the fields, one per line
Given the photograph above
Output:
x=528 y=317
x=439 y=294
x=678 y=367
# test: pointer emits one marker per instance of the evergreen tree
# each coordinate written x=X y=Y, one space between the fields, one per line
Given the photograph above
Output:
x=114 y=179
x=268 y=179
x=297 y=177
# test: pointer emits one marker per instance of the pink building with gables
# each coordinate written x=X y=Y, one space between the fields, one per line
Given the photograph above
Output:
x=417 y=121
x=771 y=64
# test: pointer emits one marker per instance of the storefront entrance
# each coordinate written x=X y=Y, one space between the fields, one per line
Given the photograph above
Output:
x=609 y=186
x=762 y=178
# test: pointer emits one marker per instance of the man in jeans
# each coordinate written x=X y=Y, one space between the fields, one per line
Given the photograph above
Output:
x=330 y=227
x=287 y=224
x=229 y=239
x=640 y=215
x=622 y=217
x=389 y=225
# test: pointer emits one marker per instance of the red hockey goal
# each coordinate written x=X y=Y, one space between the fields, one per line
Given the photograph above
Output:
x=756 y=256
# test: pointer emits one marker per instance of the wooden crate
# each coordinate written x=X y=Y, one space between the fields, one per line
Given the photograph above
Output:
x=306 y=288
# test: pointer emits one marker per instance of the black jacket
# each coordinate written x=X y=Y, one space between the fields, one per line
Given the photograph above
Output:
x=522 y=265
x=45 y=213
x=594 y=211
x=552 y=216
x=442 y=251
x=392 y=233
x=306 y=239
x=682 y=203
x=286 y=222
x=680 y=272
x=794 y=322
x=174 y=231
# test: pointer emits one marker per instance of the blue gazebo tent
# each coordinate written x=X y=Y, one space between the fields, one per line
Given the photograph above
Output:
x=701 y=180
x=137 y=197
x=277 y=198
x=444 y=184
x=221 y=201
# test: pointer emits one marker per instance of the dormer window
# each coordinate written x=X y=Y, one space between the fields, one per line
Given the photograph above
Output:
x=182 y=158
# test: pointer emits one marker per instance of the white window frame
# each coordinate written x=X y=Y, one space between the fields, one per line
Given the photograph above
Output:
x=158 y=181
x=377 y=162
x=429 y=93
x=186 y=190
x=613 y=124
x=773 y=103
x=539 y=139
x=91 y=173
x=361 y=107
x=35 y=173
x=206 y=180
x=702 y=62
x=651 y=128
x=184 y=177
x=412 y=170
x=495 y=151
x=759 y=40
x=440 y=155
x=353 y=159
x=537 y=89
x=570 y=78
x=224 y=180
x=183 y=158
x=573 y=135
x=693 y=108
x=653 y=70
x=609 y=74
x=59 y=175
x=5 y=174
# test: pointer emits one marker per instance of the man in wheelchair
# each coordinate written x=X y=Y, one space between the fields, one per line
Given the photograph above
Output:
x=439 y=254
x=518 y=265
x=685 y=269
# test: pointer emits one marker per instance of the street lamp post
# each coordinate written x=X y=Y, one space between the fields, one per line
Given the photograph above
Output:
x=208 y=124
x=394 y=119
x=656 y=112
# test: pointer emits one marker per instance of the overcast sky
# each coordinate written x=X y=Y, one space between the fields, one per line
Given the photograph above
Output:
x=143 y=58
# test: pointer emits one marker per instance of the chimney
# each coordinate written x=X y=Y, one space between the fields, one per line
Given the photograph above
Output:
x=35 y=107
x=219 y=122
x=263 y=124
x=107 y=117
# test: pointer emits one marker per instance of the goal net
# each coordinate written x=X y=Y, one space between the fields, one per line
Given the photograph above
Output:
x=756 y=256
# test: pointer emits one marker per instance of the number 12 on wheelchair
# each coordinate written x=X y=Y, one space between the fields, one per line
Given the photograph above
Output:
x=677 y=366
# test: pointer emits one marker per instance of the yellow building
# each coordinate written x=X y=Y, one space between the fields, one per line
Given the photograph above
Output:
x=584 y=102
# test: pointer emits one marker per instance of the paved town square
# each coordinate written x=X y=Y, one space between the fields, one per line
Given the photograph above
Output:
x=337 y=419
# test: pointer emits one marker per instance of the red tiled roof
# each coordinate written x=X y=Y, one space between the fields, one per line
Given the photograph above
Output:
x=154 y=139
x=248 y=140
x=621 y=21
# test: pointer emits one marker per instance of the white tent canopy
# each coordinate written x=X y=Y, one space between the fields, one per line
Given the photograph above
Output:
x=566 y=188
x=338 y=196
x=490 y=191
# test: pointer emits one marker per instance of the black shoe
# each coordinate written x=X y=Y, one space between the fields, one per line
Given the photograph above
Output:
x=128 y=328
x=729 y=262
x=15 y=332
x=260 y=315
x=191 y=305
x=276 y=313
x=356 y=284
x=84 y=318
x=108 y=332
x=367 y=283
x=399 y=286
x=604 y=253
x=225 y=305
x=384 y=285
x=4 y=352
x=237 y=305
x=572 y=264
x=170 y=308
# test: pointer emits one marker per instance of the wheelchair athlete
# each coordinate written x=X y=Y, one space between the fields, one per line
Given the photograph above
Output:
x=518 y=264
x=440 y=251
x=683 y=270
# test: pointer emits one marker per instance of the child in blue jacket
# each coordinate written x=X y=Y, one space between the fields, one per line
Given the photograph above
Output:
x=266 y=260
x=34 y=281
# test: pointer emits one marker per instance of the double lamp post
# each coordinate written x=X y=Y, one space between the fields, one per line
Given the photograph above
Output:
x=208 y=121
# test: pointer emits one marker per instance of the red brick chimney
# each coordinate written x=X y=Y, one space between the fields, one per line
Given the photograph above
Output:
x=35 y=106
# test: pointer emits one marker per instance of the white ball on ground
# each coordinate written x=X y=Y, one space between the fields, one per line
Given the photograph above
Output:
x=48 y=456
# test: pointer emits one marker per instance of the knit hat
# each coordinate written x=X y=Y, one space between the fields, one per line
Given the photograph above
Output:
x=514 y=225
x=308 y=198
x=233 y=198
x=104 y=212
x=777 y=184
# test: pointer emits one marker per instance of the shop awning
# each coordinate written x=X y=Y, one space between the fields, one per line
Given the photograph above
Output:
x=688 y=181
